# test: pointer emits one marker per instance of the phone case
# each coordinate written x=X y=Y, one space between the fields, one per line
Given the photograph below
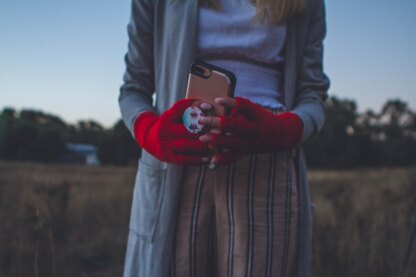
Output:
x=207 y=82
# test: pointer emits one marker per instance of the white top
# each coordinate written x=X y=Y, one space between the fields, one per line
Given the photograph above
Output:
x=252 y=51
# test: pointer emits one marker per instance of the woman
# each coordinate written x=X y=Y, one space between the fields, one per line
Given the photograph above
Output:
x=252 y=215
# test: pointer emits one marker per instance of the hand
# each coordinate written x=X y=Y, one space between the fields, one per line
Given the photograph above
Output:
x=249 y=129
x=166 y=138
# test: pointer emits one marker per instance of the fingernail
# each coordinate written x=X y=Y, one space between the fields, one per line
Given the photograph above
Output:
x=215 y=131
x=204 y=138
x=212 y=166
x=206 y=106
x=219 y=100
x=204 y=120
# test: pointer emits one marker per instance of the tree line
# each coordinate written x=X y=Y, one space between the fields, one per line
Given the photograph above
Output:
x=31 y=135
x=349 y=138
x=352 y=139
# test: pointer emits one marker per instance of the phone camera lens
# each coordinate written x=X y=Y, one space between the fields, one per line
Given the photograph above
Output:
x=201 y=71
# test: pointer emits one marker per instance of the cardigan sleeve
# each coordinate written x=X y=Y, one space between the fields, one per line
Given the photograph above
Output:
x=312 y=83
x=138 y=83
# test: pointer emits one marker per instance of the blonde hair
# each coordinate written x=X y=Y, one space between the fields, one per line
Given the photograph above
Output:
x=275 y=11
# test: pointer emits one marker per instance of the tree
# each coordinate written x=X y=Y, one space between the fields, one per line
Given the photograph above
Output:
x=350 y=139
x=7 y=121
x=118 y=146
x=48 y=145
x=30 y=135
x=89 y=132
x=396 y=134
x=336 y=146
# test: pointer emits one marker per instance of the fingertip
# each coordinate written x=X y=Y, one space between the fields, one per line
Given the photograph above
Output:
x=215 y=131
x=204 y=138
x=205 y=120
x=228 y=102
x=206 y=106
x=212 y=166
x=220 y=100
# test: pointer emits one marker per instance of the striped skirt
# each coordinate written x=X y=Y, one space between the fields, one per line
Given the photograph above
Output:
x=238 y=220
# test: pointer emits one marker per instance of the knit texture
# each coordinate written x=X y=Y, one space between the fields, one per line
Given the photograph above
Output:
x=166 y=137
x=250 y=129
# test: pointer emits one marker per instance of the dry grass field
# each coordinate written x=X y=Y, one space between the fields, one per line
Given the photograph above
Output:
x=73 y=220
x=362 y=222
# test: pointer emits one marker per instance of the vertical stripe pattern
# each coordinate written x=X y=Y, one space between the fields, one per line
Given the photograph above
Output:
x=287 y=217
x=230 y=183
x=194 y=222
x=250 y=192
x=173 y=261
x=270 y=229
x=247 y=213
x=296 y=164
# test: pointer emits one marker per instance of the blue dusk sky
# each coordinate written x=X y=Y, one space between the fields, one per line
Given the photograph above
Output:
x=65 y=57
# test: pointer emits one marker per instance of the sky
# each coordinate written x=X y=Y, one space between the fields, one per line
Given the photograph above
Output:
x=65 y=57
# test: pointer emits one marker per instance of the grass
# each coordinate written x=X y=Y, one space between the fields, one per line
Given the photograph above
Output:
x=362 y=222
x=63 y=220
x=73 y=220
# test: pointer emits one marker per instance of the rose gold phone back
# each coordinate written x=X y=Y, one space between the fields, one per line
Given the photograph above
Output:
x=217 y=85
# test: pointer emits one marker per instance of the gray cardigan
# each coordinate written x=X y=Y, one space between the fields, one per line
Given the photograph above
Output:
x=162 y=46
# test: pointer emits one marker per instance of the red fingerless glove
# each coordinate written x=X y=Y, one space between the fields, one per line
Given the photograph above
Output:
x=253 y=129
x=166 y=138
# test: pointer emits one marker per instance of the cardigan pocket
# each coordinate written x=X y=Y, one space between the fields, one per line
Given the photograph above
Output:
x=147 y=200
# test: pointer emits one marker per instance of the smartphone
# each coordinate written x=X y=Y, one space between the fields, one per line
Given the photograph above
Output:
x=207 y=82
